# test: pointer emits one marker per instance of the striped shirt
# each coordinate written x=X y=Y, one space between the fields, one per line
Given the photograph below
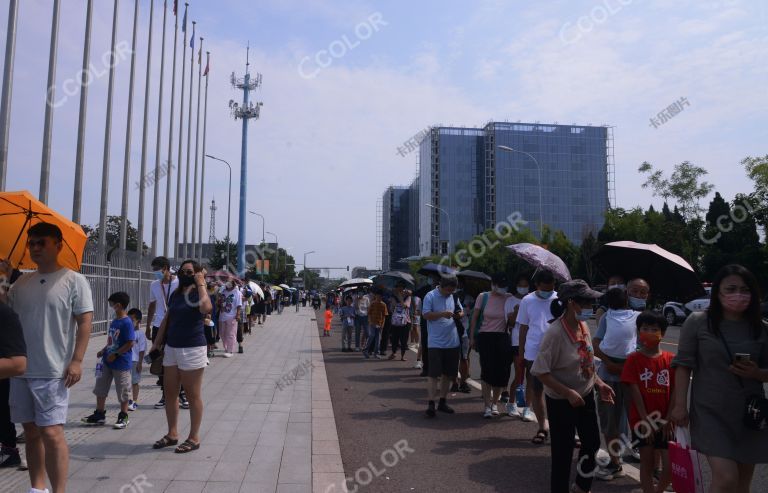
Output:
x=376 y=313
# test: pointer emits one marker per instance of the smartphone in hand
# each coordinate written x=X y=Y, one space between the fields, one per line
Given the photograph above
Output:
x=742 y=357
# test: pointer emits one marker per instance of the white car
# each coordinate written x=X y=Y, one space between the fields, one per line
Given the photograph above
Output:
x=676 y=313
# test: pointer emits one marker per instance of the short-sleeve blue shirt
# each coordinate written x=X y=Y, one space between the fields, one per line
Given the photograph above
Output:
x=442 y=332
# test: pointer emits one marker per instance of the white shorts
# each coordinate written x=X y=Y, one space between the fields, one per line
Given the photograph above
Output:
x=186 y=358
x=43 y=401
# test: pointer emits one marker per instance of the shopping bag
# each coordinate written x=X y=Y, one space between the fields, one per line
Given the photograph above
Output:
x=686 y=468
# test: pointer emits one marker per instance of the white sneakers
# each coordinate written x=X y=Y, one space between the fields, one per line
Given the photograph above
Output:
x=494 y=410
x=419 y=365
x=488 y=412
x=512 y=410
x=528 y=415
x=227 y=355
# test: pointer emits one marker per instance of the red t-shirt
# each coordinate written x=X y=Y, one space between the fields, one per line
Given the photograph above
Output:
x=654 y=377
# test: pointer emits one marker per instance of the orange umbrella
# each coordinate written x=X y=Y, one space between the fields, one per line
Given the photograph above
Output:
x=21 y=210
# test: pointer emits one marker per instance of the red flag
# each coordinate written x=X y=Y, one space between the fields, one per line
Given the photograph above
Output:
x=175 y=6
x=207 y=63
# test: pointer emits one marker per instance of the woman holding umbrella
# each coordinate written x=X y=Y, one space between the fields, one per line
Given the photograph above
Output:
x=565 y=365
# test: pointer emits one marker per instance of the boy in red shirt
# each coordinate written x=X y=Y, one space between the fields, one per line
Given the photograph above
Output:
x=649 y=378
x=328 y=319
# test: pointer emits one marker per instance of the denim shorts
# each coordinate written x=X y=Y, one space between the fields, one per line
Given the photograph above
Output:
x=44 y=401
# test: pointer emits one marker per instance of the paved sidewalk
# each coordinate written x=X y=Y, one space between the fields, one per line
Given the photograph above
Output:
x=268 y=425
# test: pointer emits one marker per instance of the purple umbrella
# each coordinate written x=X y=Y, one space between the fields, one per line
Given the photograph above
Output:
x=542 y=259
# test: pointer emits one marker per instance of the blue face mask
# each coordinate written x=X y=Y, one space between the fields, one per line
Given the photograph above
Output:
x=522 y=291
x=636 y=303
x=158 y=274
x=544 y=295
x=586 y=314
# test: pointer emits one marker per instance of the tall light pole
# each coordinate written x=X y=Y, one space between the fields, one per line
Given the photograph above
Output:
x=77 y=197
x=45 y=168
x=450 y=242
x=305 y=267
x=229 y=201
x=277 y=251
x=263 y=223
x=245 y=112
x=5 y=92
x=538 y=168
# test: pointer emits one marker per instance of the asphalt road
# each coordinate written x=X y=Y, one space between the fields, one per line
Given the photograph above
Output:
x=379 y=403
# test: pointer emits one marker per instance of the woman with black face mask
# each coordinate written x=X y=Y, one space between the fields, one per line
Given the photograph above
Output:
x=185 y=354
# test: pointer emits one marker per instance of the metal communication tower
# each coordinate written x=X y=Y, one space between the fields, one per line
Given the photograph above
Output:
x=212 y=233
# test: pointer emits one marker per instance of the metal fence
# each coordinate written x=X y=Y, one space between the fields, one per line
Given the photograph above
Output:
x=109 y=271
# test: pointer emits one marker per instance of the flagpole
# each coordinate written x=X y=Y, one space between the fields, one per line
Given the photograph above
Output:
x=108 y=136
x=195 y=197
x=45 y=167
x=142 y=176
x=202 y=170
x=181 y=135
x=189 y=139
x=156 y=195
x=128 y=125
x=78 y=194
x=5 y=97
x=169 y=161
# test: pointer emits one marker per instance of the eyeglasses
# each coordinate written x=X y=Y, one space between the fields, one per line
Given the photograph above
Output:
x=733 y=289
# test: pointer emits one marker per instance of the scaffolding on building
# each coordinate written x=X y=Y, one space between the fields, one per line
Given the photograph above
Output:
x=379 y=232
x=610 y=167
x=435 y=247
x=489 y=191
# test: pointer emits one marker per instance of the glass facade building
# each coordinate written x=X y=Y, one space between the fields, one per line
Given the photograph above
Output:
x=396 y=228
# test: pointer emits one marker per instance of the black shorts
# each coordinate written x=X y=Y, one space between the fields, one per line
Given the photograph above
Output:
x=515 y=353
x=154 y=333
x=531 y=379
x=444 y=362
x=657 y=440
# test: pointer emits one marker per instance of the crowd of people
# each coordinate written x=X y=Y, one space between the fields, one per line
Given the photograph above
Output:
x=541 y=363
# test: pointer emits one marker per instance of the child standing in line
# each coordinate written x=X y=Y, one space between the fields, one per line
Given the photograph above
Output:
x=116 y=358
x=328 y=319
x=648 y=375
x=138 y=350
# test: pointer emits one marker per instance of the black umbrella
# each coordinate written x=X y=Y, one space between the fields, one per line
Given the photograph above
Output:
x=434 y=270
x=389 y=280
x=669 y=275
x=474 y=282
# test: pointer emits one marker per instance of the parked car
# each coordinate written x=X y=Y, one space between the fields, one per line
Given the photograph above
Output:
x=676 y=313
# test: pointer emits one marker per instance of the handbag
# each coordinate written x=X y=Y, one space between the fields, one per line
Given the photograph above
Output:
x=156 y=367
x=686 y=467
x=756 y=406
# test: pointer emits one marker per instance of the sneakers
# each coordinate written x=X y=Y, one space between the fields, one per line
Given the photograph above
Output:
x=160 y=404
x=632 y=455
x=455 y=387
x=183 y=402
x=9 y=457
x=464 y=387
x=122 y=421
x=378 y=356
x=419 y=365
x=488 y=413
x=528 y=415
x=495 y=410
x=227 y=355
x=357 y=349
x=444 y=408
x=97 y=418
x=431 y=409
x=512 y=410
x=366 y=355
x=391 y=356
x=133 y=405
x=609 y=472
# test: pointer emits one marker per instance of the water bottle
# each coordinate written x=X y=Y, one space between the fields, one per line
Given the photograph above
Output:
x=99 y=369
x=520 y=396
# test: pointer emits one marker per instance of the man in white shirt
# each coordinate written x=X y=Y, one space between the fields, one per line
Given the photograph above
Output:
x=55 y=307
x=534 y=316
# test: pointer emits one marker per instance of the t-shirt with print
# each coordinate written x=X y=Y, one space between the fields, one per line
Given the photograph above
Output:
x=47 y=305
x=139 y=345
x=655 y=379
x=536 y=314
x=160 y=293
x=231 y=300
x=11 y=334
x=363 y=302
x=347 y=314
x=559 y=356
x=120 y=333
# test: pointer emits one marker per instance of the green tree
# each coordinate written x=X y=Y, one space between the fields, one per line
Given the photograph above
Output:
x=113 y=234
x=683 y=186
x=218 y=259
x=313 y=279
x=757 y=170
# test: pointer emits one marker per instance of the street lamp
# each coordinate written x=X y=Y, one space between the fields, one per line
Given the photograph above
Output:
x=263 y=223
x=450 y=242
x=538 y=168
x=305 y=267
x=277 y=251
x=229 y=202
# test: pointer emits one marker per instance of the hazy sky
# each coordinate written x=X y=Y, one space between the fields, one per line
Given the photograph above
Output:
x=347 y=82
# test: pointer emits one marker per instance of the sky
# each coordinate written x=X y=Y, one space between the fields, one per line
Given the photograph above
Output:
x=345 y=83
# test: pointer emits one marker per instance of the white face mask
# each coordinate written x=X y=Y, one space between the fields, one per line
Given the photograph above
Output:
x=617 y=286
x=500 y=290
x=522 y=291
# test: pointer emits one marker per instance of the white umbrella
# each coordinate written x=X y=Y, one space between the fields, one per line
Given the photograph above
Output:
x=357 y=282
x=284 y=286
x=256 y=289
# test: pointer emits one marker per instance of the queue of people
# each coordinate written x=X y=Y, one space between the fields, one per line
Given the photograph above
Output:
x=541 y=363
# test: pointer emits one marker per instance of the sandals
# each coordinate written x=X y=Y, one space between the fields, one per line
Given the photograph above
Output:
x=166 y=441
x=187 y=446
x=541 y=437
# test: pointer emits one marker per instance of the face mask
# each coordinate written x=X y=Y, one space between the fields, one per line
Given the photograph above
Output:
x=522 y=291
x=499 y=290
x=649 y=340
x=544 y=295
x=230 y=286
x=636 y=303
x=586 y=314
x=186 y=280
x=158 y=275
x=617 y=286
x=736 y=302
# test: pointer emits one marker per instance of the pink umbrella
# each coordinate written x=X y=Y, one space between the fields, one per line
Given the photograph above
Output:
x=669 y=275
x=542 y=259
